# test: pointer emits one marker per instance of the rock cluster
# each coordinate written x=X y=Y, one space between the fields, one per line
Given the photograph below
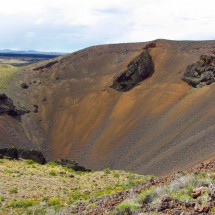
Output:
x=202 y=72
x=71 y=165
x=137 y=70
x=14 y=153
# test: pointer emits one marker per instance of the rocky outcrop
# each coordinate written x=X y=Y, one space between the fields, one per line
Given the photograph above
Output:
x=71 y=165
x=202 y=72
x=34 y=155
x=14 y=153
x=46 y=66
x=137 y=70
x=7 y=107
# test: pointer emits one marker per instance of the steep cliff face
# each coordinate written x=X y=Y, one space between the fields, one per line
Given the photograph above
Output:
x=157 y=125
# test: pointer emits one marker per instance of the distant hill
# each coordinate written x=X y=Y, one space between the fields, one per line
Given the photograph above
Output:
x=23 y=58
x=9 y=51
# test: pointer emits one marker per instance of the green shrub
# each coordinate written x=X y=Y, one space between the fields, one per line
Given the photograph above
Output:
x=213 y=209
x=76 y=195
x=146 y=196
x=116 y=174
x=52 y=172
x=30 y=162
x=181 y=196
x=125 y=208
x=23 y=203
x=52 y=164
x=53 y=202
x=2 y=199
x=13 y=190
x=107 y=171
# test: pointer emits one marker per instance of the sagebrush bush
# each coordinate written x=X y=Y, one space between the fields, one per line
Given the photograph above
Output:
x=125 y=208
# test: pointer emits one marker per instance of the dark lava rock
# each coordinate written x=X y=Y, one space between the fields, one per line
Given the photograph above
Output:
x=7 y=107
x=137 y=70
x=72 y=165
x=34 y=155
x=14 y=153
x=24 y=85
x=11 y=153
x=202 y=72
x=35 y=108
x=46 y=66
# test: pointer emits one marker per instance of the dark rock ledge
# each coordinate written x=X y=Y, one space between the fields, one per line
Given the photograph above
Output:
x=140 y=68
x=37 y=156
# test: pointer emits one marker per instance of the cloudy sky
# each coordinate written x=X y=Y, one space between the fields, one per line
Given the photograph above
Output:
x=69 y=25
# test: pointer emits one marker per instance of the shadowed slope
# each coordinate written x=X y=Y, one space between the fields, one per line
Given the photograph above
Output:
x=157 y=127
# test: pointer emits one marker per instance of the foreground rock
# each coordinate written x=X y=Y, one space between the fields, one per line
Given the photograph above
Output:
x=137 y=70
x=202 y=72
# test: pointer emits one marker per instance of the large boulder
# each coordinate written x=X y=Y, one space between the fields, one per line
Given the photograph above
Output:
x=7 y=107
x=34 y=155
x=11 y=153
x=137 y=70
x=202 y=72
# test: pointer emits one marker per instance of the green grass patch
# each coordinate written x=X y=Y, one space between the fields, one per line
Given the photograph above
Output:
x=54 y=202
x=7 y=72
x=23 y=203
x=13 y=190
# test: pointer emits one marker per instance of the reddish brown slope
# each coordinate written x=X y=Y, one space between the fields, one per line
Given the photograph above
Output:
x=157 y=127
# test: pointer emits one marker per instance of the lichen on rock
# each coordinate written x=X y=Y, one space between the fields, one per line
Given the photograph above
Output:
x=202 y=72
x=137 y=70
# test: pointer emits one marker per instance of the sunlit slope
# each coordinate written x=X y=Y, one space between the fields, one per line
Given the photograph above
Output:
x=159 y=126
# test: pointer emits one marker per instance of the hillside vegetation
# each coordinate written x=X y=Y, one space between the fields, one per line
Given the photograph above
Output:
x=30 y=188
x=27 y=187
x=6 y=73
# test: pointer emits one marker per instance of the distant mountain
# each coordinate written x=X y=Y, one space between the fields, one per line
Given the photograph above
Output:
x=9 y=51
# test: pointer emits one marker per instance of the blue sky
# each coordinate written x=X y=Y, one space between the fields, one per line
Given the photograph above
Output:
x=69 y=25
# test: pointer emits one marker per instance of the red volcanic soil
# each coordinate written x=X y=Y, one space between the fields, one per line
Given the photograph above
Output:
x=160 y=126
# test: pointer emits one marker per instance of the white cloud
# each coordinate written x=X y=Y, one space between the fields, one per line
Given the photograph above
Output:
x=65 y=25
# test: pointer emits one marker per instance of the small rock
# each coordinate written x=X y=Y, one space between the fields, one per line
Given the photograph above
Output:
x=24 y=85
x=36 y=108
x=196 y=193
x=211 y=192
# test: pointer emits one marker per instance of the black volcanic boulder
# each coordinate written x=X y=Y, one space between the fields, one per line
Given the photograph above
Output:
x=7 y=107
x=34 y=155
x=71 y=165
x=24 y=85
x=11 y=153
x=202 y=72
x=137 y=70
x=14 y=153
